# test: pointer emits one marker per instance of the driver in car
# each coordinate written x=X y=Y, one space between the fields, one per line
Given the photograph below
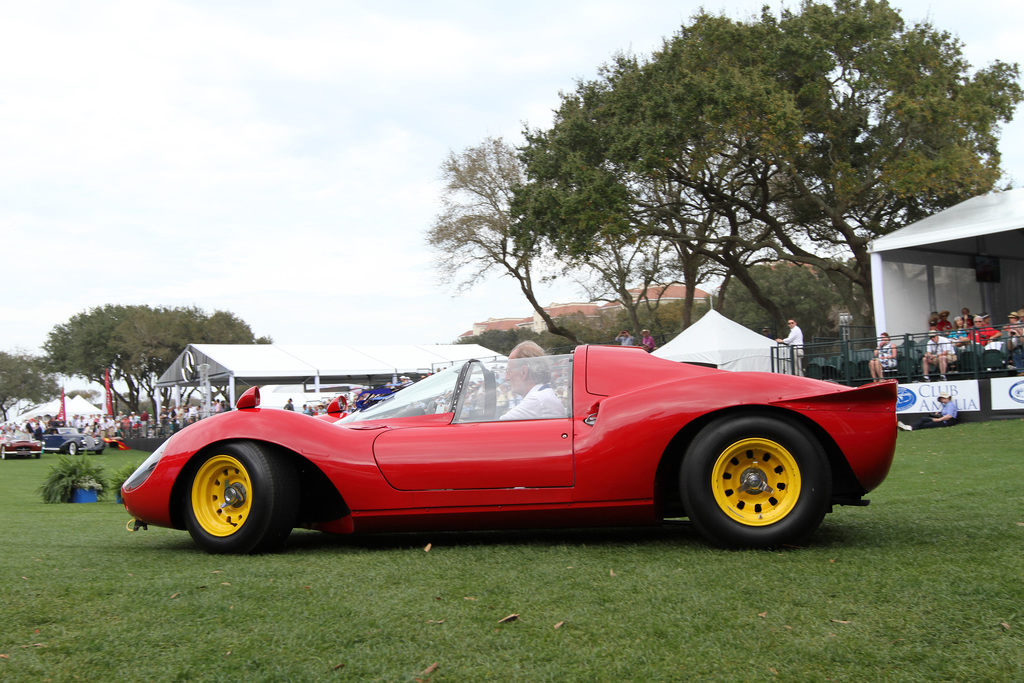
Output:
x=529 y=375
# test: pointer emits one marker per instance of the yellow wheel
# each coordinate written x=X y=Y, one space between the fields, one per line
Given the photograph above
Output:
x=221 y=495
x=241 y=498
x=755 y=481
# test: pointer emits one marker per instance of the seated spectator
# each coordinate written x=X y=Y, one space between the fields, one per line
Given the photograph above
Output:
x=1015 y=340
x=959 y=335
x=943 y=323
x=885 y=358
x=943 y=418
x=965 y=313
x=933 y=321
x=983 y=334
x=939 y=352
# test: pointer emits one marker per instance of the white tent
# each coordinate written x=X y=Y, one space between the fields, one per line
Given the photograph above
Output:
x=971 y=254
x=73 y=405
x=313 y=366
x=716 y=340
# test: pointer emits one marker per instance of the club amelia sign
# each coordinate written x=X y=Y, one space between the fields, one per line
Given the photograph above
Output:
x=924 y=397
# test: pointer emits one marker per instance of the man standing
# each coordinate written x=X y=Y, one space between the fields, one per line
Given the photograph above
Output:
x=795 y=341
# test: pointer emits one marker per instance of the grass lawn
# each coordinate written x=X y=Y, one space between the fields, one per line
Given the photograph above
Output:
x=926 y=583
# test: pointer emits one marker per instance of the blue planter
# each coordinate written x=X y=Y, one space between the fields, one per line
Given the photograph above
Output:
x=84 y=496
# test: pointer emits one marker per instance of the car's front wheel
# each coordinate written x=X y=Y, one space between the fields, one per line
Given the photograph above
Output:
x=755 y=481
x=241 y=499
x=73 y=448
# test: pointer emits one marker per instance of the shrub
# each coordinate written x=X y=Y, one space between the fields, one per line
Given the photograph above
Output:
x=70 y=474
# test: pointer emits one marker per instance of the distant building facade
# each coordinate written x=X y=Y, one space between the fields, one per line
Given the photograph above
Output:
x=588 y=310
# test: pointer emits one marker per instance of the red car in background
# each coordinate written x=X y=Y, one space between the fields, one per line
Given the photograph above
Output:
x=14 y=447
x=752 y=459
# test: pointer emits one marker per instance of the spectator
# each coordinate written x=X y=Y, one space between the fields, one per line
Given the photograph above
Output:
x=959 y=335
x=795 y=340
x=939 y=352
x=943 y=418
x=885 y=358
x=943 y=323
x=289 y=405
x=647 y=341
x=982 y=333
x=965 y=313
x=624 y=338
x=1015 y=340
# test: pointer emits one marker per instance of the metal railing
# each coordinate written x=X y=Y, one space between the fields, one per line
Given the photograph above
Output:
x=846 y=360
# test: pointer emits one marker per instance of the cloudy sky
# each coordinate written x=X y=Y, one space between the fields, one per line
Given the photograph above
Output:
x=280 y=159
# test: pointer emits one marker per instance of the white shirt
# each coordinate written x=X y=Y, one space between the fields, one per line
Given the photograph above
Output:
x=540 y=403
x=795 y=338
x=942 y=345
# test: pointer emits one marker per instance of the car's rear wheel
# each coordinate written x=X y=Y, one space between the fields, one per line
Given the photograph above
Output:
x=755 y=481
x=72 y=448
x=241 y=499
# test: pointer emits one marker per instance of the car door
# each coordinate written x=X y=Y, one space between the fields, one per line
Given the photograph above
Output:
x=510 y=460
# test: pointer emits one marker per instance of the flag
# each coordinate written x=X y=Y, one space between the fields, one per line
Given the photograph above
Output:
x=110 y=396
x=62 y=416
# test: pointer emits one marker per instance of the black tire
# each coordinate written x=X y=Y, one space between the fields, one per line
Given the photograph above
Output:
x=755 y=481
x=72 y=448
x=240 y=499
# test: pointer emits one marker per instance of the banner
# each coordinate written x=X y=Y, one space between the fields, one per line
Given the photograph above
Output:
x=1007 y=393
x=924 y=397
x=110 y=396
x=62 y=413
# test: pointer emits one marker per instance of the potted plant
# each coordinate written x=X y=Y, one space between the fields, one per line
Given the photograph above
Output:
x=120 y=476
x=74 y=480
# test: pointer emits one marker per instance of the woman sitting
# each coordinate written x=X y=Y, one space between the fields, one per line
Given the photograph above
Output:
x=885 y=358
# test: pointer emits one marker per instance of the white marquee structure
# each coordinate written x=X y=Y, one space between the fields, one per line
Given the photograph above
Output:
x=971 y=254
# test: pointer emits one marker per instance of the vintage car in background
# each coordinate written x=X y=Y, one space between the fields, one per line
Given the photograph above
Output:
x=71 y=441
x=752 y=459
x=14 y=447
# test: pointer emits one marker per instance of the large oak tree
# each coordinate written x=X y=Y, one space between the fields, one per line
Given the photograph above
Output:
x=801 y=136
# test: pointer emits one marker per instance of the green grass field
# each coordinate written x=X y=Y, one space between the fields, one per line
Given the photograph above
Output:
x=925 y=584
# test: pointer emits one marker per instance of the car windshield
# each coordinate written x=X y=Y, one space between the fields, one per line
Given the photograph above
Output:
x=426 y=397
x=520 y=389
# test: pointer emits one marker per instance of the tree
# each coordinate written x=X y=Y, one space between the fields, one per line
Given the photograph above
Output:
x=473 y=235
x=22 y=378
x=136 y=343
x=801 y=137
x=801 y=292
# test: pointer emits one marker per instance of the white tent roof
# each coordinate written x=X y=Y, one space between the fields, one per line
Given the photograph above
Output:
x=934 y=264
x=987 y=214
x=74 y=405
x=716 y=340
x=258 y=364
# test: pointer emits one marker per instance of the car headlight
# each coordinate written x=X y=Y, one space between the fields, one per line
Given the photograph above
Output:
x=140 y=475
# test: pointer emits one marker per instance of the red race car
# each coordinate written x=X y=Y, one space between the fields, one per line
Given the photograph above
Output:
x=13 y=447
x=606 y=436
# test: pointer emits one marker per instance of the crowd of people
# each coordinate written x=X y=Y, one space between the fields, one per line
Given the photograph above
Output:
x=130 y=425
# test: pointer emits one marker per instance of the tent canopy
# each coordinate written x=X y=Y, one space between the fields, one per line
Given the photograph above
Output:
x=716 y=340
x=74 y=405
x=971 y=254
x=260 y=364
